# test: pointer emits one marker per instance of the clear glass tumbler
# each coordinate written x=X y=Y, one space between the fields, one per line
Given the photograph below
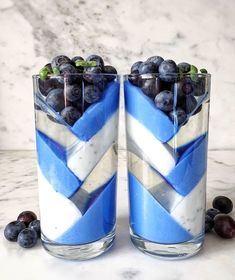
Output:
x=76 y=139
x=167 y=136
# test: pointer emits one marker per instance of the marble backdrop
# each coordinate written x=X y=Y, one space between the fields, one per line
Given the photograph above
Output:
x=32 y=32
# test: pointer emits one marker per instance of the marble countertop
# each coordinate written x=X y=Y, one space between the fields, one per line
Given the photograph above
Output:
x=18 y=192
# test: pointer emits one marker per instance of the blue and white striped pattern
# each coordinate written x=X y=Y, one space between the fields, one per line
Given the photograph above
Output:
x=77 y=172
x=167 y=171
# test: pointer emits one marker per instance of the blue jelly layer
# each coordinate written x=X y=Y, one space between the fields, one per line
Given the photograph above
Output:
x=98 y=113
x=144 y=110
x=54 y=167
x=97 y=222
x=190 y=168
x=150 y=220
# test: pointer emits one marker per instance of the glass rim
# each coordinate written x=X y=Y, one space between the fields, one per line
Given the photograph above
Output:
x=156 y=75
x=77 y=74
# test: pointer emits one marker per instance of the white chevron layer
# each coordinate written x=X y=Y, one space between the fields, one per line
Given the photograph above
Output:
x=196 y=126
x=85 y=155
x=191 y=210
x=187 y=211
x=57 y=132
x=57 y=212
x=160 y=156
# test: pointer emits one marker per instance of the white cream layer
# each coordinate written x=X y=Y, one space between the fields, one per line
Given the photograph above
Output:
x=85 y=155
x=159 y=156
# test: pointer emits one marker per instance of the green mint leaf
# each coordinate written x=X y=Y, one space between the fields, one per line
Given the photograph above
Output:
x=203 y=70
x=43 y=73
x=85 y=63
x=56 y=71
x=193 y=71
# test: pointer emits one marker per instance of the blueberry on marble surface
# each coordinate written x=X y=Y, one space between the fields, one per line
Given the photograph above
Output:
x=164 y=101
x=36 y=226
x=157 y=60
x=168 y=71
x=13 y=229
x=212 y=212
x=178 y=116
x=55 y=99
x=224 y=226
x=209 y=224
x=92 y=94
x=70 y=115
x=223 y=204
x=98 y=59
x=27 y=238
x=135 y=67
x=147 y=68
x=27 y=217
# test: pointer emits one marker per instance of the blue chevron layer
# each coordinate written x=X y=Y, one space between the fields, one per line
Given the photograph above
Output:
x=144 y=110
x=190 y=168
x=97 y=222
x=53 y=166
x=98 y=113
x=150 y=220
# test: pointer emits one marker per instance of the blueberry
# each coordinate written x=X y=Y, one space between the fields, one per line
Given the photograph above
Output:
x=134 y=78
x=36 y=226
x=212 y=212
x=191 y=104
x=224 y=226
x=27 y=238
x=92 y=94
x=45 y=86
x=150 y=86
x=168 y=71
x=70 y=115
x=184 y=67
x=223 y=204
x=27 y=217
x=76 y=58
x=55 y=99
x=147 y=68
x=108 y=69
x=98 y=59
x=200 y=86
x=73 y=93
x=157 y=60
x=93 y=75
x=187 y=85
x=178 y=116
x=209 y=224
x=70 y=73
x=135 y=67
x=13 y=229
x=60 y=60
x=165 y=101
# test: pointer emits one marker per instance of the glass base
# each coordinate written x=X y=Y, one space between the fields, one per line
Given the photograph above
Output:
x=168 y=251
x=79 y=252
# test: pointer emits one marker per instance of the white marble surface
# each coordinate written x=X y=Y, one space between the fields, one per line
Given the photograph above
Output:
x=32 y=32
x=18 y=192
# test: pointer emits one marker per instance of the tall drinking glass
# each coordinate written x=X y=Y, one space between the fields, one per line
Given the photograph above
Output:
x=167 y=135
x=76 y=139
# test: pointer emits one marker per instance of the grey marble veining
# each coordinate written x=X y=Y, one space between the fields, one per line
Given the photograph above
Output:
x=201 y=32
x=18 y=191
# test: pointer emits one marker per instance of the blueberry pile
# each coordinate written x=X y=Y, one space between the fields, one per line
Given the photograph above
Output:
x=217 y=218
x=70 y=86
x=25 y=230
x=173 y=88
